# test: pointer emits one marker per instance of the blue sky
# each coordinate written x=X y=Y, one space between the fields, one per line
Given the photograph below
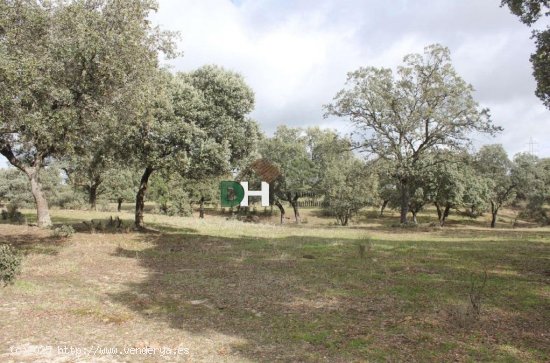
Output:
x=295 y=54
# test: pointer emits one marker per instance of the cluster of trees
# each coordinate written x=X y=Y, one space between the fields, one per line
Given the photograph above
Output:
x=81 y=84
x=82 y=91
x=322 y=163
x=474 y=183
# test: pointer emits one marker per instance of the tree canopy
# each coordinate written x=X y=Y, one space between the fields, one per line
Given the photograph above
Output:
x=67 y=70
x=425 y=106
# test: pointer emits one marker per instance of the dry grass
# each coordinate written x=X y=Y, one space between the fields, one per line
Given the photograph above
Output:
x=233 y=291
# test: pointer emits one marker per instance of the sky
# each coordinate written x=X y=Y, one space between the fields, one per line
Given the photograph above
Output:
x=295 y=55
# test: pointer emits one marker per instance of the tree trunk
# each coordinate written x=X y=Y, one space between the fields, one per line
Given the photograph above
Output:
x=384 y=204
x=140 y=197
x=494 y=219
x=201 y=208
x=344 y=220
x=294 y=204
x=494 y=213
x=439 y=212
x=413 y=212
x=405 y=198
x=445 y=214
x=119 y=206
x=42 y=211
x=92 y=196
x=282 y=210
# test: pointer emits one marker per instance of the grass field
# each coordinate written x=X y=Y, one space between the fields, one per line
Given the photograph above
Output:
x=235 y=292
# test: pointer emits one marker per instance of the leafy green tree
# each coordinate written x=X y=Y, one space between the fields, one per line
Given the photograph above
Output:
x=119 y=185
x=529 y=12
x=348 y=185
x=202 y=191
x=493 y=163
x=195 y=124
x=541 y=65
x=301 y=155
x=167 y=190
x=287 y=149
x=532 y=178
x=401 y=119
x=14 y=186
x=477 y=190
x=68 y=69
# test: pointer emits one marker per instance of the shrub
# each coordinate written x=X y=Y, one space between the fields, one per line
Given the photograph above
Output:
x=69 y=199
x=535 y=211
x=180 y=205
x=64 y=231
x=12 y=214
x=10 y=264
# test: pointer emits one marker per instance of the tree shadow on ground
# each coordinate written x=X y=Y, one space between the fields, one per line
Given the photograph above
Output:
x=29 y=240
x=310 y=298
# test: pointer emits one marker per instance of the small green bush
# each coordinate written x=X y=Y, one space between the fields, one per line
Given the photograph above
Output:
x=64 y=231
x=10 y=264
x=12 y=214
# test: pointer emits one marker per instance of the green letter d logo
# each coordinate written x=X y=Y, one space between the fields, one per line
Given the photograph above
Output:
x=232 y=193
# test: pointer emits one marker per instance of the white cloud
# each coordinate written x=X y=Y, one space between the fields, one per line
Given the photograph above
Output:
x=296 y=54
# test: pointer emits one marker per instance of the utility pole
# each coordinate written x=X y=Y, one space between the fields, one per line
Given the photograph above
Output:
x=532 y=144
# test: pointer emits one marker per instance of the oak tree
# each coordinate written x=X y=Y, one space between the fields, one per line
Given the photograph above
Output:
x=402 y=116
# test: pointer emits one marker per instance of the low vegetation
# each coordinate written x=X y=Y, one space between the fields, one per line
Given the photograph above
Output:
x=235 y=291
x=10 y=264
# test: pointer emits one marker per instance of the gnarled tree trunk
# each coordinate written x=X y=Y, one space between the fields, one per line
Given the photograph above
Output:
x=282 y=210
x=414 y=220
x=42 y=210
x=32 y=171
x=140 y=197
x=494 y=214
x=293 y=200
x=294 y=205
x=445 y=214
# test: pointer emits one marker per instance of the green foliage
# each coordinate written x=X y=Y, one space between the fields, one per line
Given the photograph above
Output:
x=170 y=194
x=14 y=187
x=10 y=264
x=78 y=69
x=197 y=126
x=120 y=183
x=541 y=65
x=532 y=178
x=12 y=214
x=301 y=156
x=348 y=186
x=425 y=107
x=288 y=150
x=529 y=11
x=493 y=164
x=63 y=231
